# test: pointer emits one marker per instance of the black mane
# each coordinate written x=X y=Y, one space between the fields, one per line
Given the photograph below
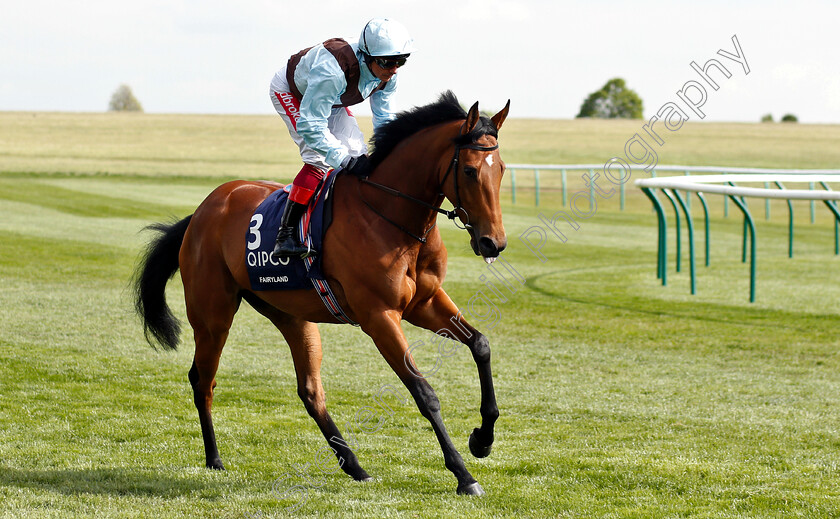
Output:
x=447 y=108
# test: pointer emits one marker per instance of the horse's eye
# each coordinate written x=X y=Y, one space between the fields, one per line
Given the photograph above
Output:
x=470 y=171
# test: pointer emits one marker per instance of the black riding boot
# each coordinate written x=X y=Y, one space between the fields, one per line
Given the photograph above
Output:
x=287 y=245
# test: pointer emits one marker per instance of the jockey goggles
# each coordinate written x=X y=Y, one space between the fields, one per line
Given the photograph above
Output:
x=390 y=62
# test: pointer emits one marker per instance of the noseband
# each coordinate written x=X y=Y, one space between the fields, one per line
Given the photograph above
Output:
x=453 y=214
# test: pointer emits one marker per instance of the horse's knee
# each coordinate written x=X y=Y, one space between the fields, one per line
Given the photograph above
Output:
x=481 y=349
x=427 y=400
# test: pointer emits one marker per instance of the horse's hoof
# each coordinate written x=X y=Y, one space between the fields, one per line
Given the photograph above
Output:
x=366 y=479
x=360 y=475
x=476 y=448
x=473 y=489
x=216 y=465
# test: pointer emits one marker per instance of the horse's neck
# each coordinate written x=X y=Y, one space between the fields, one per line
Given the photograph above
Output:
x=415 y=170
x=415 y=167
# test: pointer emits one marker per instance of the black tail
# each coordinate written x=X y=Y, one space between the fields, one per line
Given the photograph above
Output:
x=158 y=265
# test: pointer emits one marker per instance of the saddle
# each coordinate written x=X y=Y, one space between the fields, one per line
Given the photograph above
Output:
x=266 y=273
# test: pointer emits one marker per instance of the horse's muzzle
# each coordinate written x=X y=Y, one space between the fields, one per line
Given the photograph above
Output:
x=488 y=248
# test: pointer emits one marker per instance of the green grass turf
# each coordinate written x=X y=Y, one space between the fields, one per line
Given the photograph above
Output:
x=619 y=397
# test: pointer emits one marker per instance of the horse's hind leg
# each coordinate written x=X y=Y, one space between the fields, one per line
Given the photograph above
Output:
x=210 y=312
x=305 y=344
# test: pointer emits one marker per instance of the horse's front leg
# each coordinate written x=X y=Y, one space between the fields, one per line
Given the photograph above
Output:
x=385 y=330
x=440 y=315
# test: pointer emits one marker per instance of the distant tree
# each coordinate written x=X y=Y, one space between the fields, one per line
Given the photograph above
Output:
x=768 y=118
x=790 y=118
x=123 y=100
x=614 y=100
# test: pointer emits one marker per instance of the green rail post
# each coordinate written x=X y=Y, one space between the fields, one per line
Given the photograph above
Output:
x=725 y=202
x=662 y=242
x=706 y=215
x=653 y=173
x=813 y=205
x=563 y=185
x=688 y=193
x=767 y=203
x=748 y=218
x=621 y=195
x=832 y=206
x=677 y=225
x=537 y=186
x=592 y=192
x=744 y=239
x=690 y=225
x=513 y=186
x=790 y=222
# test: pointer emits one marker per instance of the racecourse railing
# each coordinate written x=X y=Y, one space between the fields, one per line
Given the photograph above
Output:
x=564 y=169
x=700 y=184
x=707 y=179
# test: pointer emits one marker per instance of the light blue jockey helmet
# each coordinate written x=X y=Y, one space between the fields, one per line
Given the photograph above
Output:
x=385 y=37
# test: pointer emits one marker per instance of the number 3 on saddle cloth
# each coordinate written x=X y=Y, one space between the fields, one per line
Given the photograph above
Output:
x=266 y=273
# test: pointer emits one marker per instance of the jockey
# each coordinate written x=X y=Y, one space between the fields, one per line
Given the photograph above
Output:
x=312 y=95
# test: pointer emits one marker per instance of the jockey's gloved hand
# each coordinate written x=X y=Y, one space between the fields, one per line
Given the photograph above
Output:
x=359 y=166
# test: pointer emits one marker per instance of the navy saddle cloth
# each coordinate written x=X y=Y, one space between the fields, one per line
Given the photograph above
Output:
x=289 y=273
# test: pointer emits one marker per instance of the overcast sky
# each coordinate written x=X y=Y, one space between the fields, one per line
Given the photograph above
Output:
x=211 y=56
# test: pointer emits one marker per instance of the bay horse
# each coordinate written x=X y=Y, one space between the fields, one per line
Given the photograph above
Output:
x=382 y=256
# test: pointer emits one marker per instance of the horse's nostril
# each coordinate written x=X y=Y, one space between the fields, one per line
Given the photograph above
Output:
x=488 y=247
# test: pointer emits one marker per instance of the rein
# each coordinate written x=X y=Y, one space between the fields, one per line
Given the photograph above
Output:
x=452 y=215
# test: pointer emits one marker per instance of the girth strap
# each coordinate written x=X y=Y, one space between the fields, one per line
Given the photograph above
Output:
x=321 y=286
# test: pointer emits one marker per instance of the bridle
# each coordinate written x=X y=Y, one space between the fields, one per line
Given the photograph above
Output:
x=452 y=215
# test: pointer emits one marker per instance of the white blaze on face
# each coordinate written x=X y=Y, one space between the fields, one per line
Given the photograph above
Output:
x=489 y=160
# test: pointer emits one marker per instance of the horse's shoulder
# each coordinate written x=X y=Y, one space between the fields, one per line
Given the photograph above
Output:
x=431 y=261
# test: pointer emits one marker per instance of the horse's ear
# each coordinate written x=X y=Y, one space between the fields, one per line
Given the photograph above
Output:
x=500 y=117
x=472 y=119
